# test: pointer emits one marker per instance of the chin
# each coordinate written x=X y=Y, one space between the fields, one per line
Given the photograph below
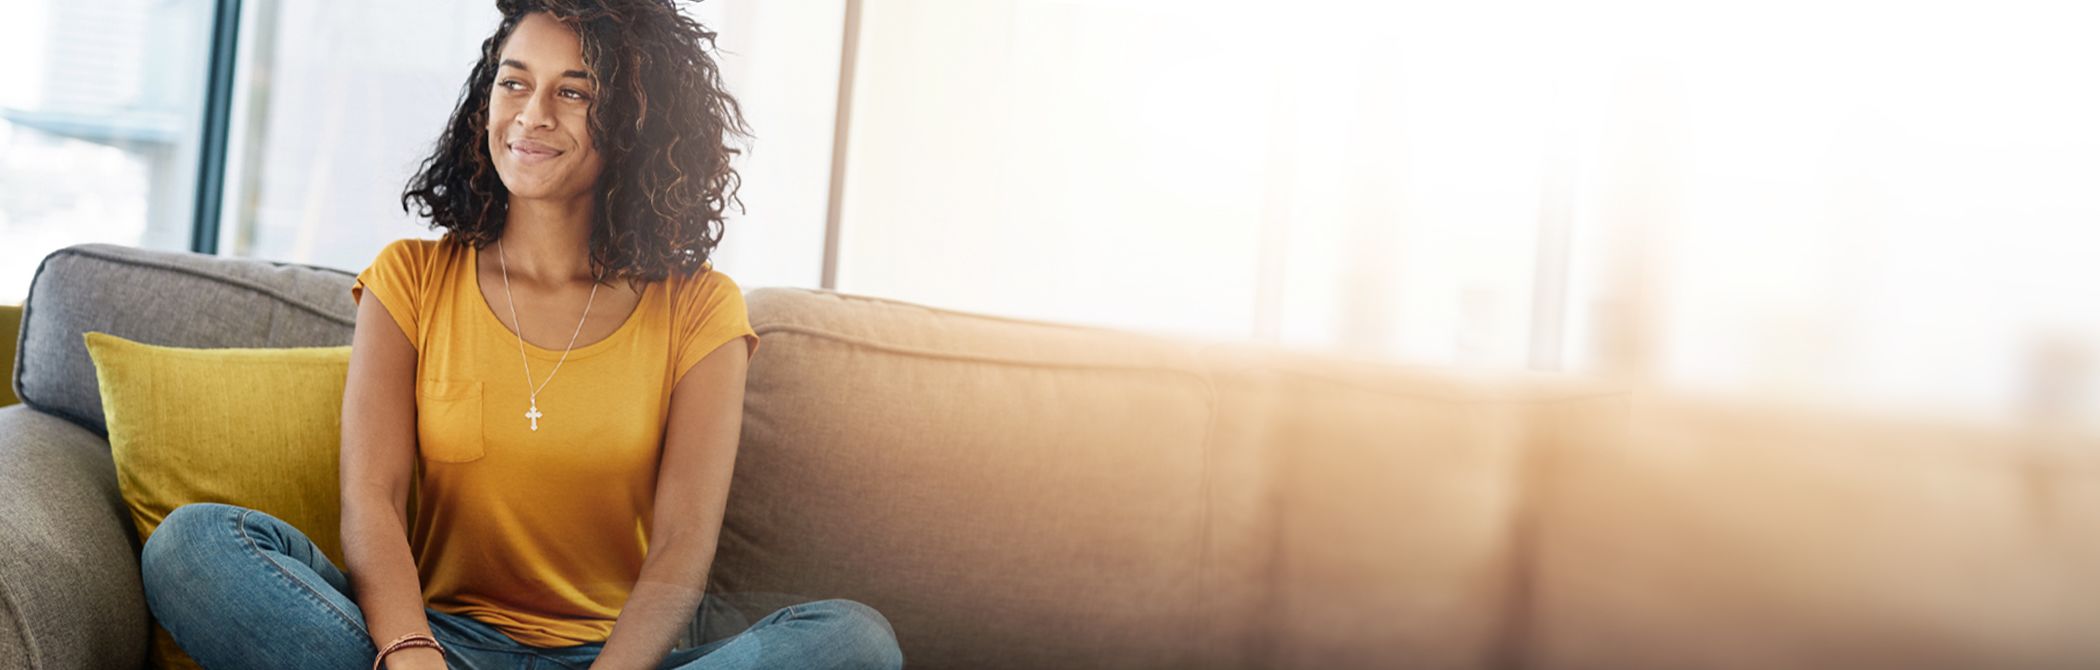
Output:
x=532 y=189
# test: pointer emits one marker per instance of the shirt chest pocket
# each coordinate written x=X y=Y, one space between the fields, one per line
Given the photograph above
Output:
x=448 y=421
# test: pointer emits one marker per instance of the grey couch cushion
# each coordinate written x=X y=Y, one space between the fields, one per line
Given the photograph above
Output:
x=166 y=298
x=70 y=595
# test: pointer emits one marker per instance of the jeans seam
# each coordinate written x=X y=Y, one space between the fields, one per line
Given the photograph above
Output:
x=239 y=525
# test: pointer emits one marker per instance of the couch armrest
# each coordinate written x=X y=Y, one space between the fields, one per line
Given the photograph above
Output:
x=70 y=595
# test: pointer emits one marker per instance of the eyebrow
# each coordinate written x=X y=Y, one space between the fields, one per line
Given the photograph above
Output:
x=578 y=74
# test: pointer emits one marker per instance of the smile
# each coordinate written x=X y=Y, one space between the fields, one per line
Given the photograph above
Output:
x=529 y=153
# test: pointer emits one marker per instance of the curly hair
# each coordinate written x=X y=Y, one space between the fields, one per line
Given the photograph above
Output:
x=661 y=120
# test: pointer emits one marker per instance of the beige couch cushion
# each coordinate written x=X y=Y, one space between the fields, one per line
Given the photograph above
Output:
x=1686 y=535
x=1010 y=494
x=1396 y=498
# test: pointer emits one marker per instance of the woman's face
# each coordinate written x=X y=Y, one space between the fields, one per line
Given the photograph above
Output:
x=539 y=122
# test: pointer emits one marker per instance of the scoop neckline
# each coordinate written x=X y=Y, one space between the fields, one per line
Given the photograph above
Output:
x=489 y=312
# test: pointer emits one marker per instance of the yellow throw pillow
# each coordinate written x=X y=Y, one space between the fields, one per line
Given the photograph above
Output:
x=259 y=428
x=10 y=329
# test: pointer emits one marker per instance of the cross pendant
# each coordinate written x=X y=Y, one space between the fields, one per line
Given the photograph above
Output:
x=534 y=414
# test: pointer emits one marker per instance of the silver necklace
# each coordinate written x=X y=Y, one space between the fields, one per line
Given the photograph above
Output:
x=533 y=414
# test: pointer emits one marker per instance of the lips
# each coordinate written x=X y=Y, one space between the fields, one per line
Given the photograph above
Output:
x=529 y=152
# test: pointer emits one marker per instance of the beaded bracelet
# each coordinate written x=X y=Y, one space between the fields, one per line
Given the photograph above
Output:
x=406 y=641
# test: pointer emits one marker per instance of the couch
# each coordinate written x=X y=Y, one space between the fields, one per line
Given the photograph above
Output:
x=1019 y=494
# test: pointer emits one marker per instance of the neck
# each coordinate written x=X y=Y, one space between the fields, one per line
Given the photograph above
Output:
x=548 y=242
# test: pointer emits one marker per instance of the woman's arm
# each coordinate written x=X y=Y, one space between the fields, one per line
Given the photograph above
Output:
x=692 y=490
x=377 y=460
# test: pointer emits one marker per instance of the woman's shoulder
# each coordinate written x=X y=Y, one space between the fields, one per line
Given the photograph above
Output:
x=705 y=294
x=420 y=254
x=418 y=247
x=699 y=285
x=709 y=309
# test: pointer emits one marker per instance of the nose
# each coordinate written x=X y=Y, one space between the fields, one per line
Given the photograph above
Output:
x=535 y=113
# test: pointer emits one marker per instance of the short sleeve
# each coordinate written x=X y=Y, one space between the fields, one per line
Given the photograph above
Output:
x=710 y=313
x=395 y=278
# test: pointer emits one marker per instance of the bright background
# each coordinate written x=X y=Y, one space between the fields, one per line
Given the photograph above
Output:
x=1876 y=205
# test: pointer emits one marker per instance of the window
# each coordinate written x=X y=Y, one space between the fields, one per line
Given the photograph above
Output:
x=99 y=127
x=1849 y=203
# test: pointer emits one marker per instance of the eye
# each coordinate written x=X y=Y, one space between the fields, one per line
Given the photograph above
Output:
x=579 y=95
x=505 y=84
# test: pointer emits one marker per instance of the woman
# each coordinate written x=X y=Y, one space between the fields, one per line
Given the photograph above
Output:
x=570 y=497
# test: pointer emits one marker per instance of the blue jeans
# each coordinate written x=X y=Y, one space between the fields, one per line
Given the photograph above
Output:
x=239 y=588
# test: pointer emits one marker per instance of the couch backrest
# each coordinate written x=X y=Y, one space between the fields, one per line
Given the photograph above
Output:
x=1014 y=493
x=1381 y=515
x=1009 y=493
x=167 y=298
x=1021 y=494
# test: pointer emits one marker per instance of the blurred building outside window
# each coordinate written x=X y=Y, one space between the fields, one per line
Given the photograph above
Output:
x=99 y=127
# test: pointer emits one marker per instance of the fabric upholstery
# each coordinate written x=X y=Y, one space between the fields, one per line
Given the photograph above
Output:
x=1391 y=506
x=168 y=298
x=1703 y=534
x=70 y=595
x=1007 y=493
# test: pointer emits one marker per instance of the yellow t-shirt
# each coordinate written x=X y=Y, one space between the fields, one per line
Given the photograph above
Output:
x=539 y=533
